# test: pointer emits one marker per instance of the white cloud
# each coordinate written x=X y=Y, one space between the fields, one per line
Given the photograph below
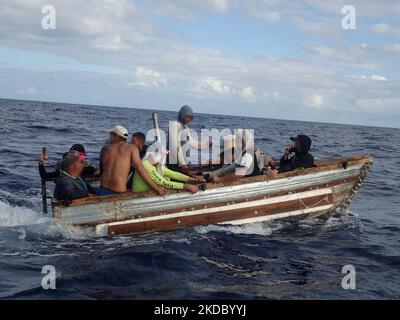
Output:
x=385 y=28
x=31 y=91
x=108 y=43
x=183 y=9
x=148 y=78
x=270 y=16
x=379 y=104
x=315 y=101
x=217 y=5
x=381 y=28
x=393 y=47
x=222 y=88
x=124 y=34
x=378 y=77
x=215 y=86
x=247 y=92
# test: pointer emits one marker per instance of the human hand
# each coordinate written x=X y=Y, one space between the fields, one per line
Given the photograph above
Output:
x=270 y=161
x=191 y=188
x=43 y=158
x=185 y=169
x=160 y=190
x=272 y=174
x=199 y=179
x=216 y=179
x=287 y=151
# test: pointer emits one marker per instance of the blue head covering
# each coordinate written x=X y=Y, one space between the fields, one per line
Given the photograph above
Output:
x=186 y=110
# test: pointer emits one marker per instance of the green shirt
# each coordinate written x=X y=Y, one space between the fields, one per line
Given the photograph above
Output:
x=139 y=185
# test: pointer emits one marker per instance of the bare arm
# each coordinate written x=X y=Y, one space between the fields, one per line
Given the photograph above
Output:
x=137 y=163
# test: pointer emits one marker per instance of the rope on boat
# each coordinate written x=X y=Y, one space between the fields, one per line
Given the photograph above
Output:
x=364 y=171
x=312 y=206
x=303 y=205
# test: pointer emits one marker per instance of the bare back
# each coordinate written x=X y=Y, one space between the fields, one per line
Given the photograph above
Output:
x=116 y=163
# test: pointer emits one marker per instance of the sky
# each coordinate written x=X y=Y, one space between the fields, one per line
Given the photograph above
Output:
x=263 y=58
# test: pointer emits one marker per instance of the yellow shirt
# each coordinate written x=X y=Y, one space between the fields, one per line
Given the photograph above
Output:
x=139 y=185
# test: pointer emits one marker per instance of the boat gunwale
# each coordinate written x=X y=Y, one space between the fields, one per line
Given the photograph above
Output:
x=324 y=164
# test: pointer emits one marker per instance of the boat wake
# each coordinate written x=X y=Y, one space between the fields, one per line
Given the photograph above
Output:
x=258 y=228
x=349 y=220
x=30 y=222
x=11 y=216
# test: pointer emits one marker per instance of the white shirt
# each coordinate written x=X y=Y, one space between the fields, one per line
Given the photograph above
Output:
x=178 y=145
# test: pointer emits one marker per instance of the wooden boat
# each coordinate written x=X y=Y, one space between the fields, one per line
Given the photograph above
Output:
x=327 y=187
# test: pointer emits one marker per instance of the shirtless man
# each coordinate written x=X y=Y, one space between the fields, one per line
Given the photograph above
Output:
x=116 y=159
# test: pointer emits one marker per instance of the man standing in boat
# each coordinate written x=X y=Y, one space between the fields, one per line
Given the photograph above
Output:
x=180 y=141
x=116 y=160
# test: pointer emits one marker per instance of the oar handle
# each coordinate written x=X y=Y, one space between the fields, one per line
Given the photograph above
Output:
x=156 y=126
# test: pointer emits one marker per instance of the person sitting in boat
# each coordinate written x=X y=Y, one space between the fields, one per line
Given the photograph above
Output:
x=180 y=141
x=88 y=170
x=226 y=158
x=116 y=160
x=251 y=160
x=302 y=158
x=154 y=163
x=138 y=140
x=70 y=185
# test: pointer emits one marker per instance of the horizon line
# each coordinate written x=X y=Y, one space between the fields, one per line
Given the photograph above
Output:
x=219 y=114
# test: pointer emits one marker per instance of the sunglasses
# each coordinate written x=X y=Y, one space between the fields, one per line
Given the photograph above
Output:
x=81 y=155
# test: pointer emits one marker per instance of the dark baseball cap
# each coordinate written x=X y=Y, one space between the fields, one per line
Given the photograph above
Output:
x=78 y=147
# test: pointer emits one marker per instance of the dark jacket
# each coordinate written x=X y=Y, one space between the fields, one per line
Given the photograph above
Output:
x=69 y=188
x=301 y=159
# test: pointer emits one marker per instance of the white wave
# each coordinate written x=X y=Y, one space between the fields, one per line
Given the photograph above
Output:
x=53 y=229
x=258 y=228
x=350 y=220
x=11 y=216
x=33 y=222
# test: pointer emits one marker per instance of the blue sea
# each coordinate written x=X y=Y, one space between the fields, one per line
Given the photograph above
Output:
x=274 y=260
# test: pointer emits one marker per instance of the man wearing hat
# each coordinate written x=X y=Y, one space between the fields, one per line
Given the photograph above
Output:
x=116 y=161
x=301 y=157
x=89 y=169
x=70 y=185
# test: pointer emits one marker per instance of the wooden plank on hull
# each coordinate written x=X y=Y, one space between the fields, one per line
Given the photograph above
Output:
x=247 y=210
x=317 y=209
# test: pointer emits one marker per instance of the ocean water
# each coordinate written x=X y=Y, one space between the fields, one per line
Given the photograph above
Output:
x=272 y=260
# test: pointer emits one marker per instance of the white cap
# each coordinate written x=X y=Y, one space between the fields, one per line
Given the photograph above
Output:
x=120 y=131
